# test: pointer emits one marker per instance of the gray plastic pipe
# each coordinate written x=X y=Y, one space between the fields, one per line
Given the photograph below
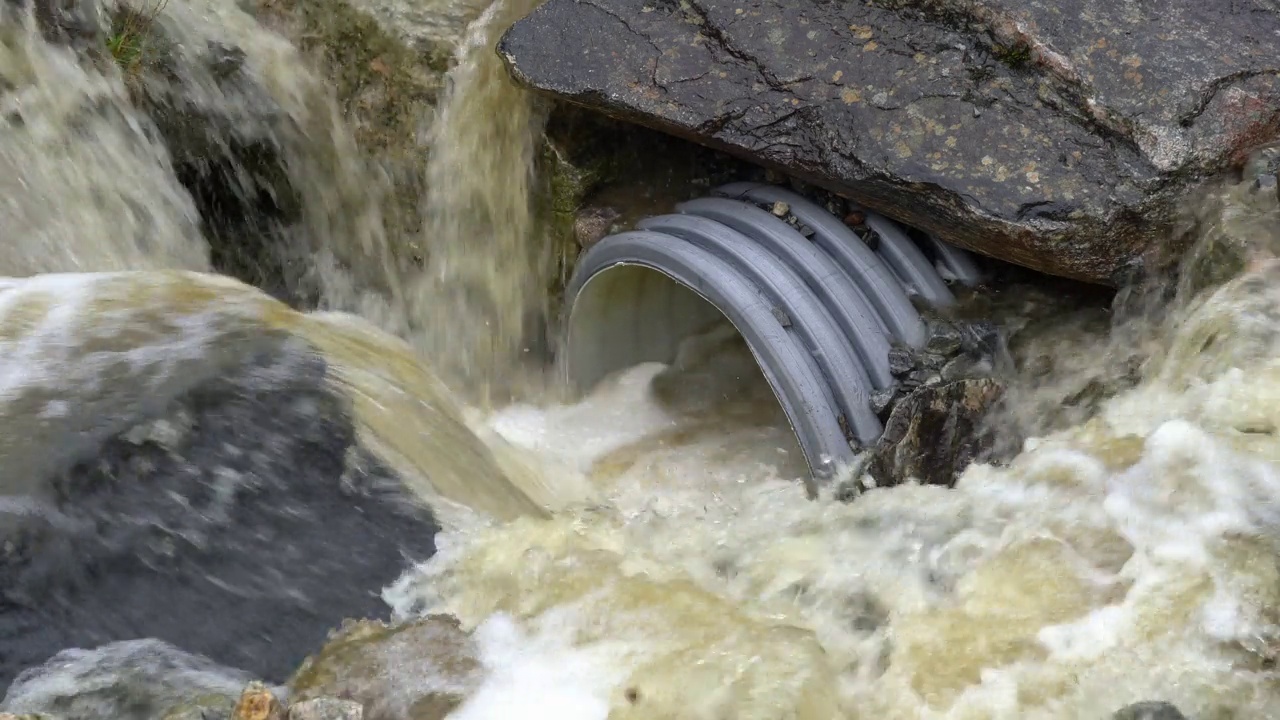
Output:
x=859 y=262
x=818 y=313
x=794 y=306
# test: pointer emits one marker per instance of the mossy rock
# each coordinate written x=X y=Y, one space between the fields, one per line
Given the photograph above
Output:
x=387 y=92
x=419 y=670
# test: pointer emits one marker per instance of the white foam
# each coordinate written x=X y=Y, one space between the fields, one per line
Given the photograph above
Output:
x=541 y=675
x=619 y=412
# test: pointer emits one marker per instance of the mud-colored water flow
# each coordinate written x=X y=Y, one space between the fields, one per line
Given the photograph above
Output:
x=491 y=264
x=648 y=551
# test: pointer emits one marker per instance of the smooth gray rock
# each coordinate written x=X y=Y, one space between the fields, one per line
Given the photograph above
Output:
x=130 y=680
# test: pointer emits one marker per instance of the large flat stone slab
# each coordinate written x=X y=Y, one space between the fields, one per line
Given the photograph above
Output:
x=1056 y=134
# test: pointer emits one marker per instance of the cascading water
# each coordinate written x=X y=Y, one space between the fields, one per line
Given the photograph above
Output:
x=648 y=551
x=490 y=264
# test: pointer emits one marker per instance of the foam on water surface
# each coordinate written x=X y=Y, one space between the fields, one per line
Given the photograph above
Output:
x=1130 y=558
x=531 y=676
x=650 y=554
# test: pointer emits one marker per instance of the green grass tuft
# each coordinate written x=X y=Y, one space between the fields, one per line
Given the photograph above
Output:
x=130 y=32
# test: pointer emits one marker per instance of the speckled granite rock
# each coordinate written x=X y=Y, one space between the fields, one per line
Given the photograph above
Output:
x=418 y=670
x=1059 y=135
x=326 y=709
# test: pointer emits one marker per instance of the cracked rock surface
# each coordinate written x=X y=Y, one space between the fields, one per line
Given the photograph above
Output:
x=1060 y=135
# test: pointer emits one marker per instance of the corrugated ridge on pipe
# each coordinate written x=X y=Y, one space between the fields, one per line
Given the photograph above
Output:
x=818 y=312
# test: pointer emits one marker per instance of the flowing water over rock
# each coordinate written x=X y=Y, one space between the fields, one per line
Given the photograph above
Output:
x=1126 y=558
x=176 y=445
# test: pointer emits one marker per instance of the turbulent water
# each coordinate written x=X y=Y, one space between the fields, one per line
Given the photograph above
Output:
x=648 y=551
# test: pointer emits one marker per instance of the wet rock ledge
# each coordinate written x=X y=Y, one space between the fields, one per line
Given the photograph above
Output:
x=1055 y=134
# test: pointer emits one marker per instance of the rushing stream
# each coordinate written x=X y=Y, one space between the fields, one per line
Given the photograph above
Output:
x=647 y=551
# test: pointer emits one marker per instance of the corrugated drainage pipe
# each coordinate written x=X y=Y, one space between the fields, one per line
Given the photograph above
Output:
x=816 y=304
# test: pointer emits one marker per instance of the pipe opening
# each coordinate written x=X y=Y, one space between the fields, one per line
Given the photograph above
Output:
x=817 y=305
x=625 y=314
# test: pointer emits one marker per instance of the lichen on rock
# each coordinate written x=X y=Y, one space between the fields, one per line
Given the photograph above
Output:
x=257 y=702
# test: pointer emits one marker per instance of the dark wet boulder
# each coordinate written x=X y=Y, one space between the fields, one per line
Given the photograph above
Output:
x=1058 y=136
x=934 y=433
x=242 y=522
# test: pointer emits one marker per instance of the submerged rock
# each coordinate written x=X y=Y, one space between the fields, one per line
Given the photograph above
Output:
x=934 y=433
x=1149 y=711
x=326 y=709
x=129 y=680
x=185 y=447
x=1059 y=137
x=248 y=503
x=419 y=670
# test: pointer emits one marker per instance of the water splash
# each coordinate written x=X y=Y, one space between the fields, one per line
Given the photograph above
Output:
x=77 y=162
x=94 y=354
x=1124 y=556
x=654 y=533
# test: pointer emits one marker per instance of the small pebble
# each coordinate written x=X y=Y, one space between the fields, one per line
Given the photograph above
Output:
x=881 y=400
x=592 y=224
x=923 y=378
x=944 y=338
x=959 y=368
x=930 y=361
x=854 y=219
x=780 y=209
x=980 y=337
x=901 y=361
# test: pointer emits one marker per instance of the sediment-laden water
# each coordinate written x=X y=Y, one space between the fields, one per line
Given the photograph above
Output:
x=645 y=552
